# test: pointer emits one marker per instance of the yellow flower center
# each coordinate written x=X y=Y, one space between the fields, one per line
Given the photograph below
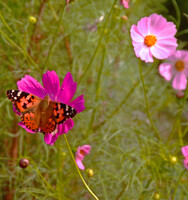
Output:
x=179 y=65
x=150 y=40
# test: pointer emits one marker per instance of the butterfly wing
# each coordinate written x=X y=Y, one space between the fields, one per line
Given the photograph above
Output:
x=48 y=127
x=23 y=101
x=30 y=120
x=62 y=112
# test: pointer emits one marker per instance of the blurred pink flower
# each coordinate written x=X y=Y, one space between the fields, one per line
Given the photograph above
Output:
x=185 y=153
x=125 y=3
x=153 y=36
x=176 y=67
x=63 y=94
x=80 y=154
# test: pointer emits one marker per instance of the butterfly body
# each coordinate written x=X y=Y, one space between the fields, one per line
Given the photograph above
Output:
x=40 y=114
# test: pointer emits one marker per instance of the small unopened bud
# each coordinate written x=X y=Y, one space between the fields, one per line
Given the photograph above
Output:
x=173 y=160
x=156 y=196
x=180 y=94
x=124 y=17
x=89 y=172
x=24 y=163
x=63 y=154
x=32 y=19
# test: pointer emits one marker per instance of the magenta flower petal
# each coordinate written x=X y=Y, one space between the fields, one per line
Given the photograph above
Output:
x=48 y=138
x=125 y=3
x=163 y=49
x=165 y=70
x=78 y=104
x=156 y=23
x=51 y=84
x=185 y=162
x=31 y=85
x=65 y=127
x=80 y=164
x=80 y=154
x=136 y=35
x=176 y=67
x=153 y=36
x=53 y=90
x=24 y=126
x=185 y=151
x=180 y=81
x=185 y=154
x=67 y=90
x=145 y=54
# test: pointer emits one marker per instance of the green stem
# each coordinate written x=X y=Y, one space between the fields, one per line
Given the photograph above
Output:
x=78 y=169
x=123 y=101
x=21 y=49
x=178 y=15
x=180 y=33
x=147 y=104
x=180 y=134
x=54 y=38
x=177 y=184
x=178 y=116
x=98 y=44
x=97 y=88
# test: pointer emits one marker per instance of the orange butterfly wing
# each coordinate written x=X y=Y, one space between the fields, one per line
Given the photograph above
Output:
x=29 y=119
x=33 y=117
x=23 y=101
x=62 y=112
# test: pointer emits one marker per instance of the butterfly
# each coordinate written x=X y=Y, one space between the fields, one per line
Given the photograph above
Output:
x=40 y=114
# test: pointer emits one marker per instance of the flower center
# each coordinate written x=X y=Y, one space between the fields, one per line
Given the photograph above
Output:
x=150 y=40
x=82 y=152
x=179 y=65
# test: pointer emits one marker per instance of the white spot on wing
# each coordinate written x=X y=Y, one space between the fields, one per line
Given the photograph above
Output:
x=19 y=93
x=67 y=107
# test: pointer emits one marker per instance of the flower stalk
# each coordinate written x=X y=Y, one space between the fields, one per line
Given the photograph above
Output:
x=72 y=156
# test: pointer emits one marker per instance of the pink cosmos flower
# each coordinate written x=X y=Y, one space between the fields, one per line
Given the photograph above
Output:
x=80 y=154
x=153 y=36
x=125 y=3
x=176 y=67
x=185 y=153
x=62 y=94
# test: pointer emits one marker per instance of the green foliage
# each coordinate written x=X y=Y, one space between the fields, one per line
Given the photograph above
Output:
x=92 y=41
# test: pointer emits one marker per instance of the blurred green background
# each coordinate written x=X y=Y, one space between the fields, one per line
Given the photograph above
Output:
x=91 y=39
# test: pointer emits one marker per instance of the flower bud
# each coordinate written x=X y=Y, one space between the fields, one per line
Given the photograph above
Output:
x=32 y=19
x=63 y=154
x=156 y=196
x=89 y=172
x=24 y=163
x=179 y=94
x=173 y=160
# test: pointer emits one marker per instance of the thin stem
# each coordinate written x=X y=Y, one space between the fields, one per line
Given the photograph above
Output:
x=115 y=111
x=178 y=15
x=98 y=44
x=21 y=49
x=66 y=37
x=54 y=38
x=180 y=134
x=147 y=104
x=97 y=88
x=78 y=169
x=177 y=184
x=178 y=116
x=185 y=31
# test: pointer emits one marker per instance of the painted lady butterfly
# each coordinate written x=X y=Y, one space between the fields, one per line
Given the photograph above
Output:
x=40 y=114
